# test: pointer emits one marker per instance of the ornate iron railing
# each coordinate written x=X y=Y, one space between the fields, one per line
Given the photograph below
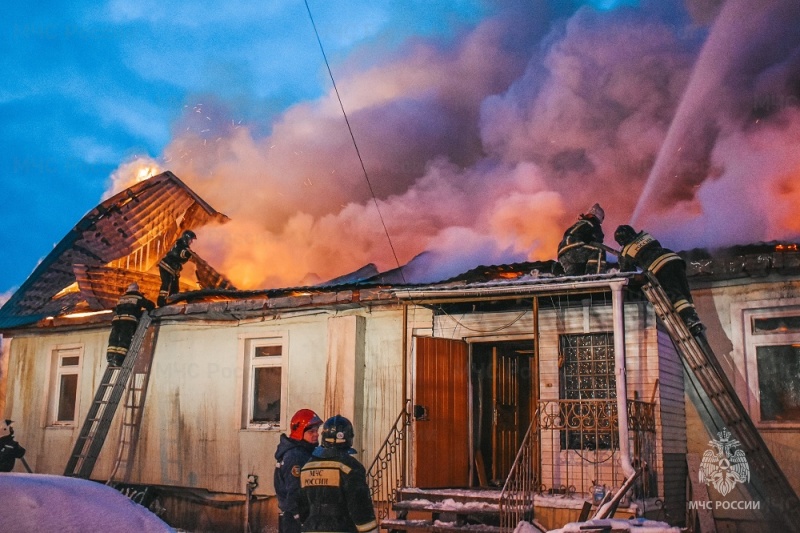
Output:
x=572 y=446
x=386 y=474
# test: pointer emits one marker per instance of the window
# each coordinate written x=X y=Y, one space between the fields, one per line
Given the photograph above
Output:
x=266 y=383
x=65 y=386
x=587 y=388
x=773 y=341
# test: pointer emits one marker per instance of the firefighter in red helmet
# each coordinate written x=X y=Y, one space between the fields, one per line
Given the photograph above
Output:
x=170 y=266
x=293 y=452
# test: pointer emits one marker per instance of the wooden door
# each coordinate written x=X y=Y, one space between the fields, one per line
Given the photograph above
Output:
x=441 y=413
x=505 y=422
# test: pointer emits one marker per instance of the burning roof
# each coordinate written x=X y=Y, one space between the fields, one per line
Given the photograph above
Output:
x=118 y=242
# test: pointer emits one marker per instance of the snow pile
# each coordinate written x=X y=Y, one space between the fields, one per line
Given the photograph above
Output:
x=32 y=503
x=637 y=525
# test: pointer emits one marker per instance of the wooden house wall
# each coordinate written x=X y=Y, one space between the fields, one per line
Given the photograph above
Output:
x=642 y=365
x=671 y=432
x=192 y=432
x=721 y=307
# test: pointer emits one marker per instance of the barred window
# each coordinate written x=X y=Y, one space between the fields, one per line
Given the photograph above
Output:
x=587 y=387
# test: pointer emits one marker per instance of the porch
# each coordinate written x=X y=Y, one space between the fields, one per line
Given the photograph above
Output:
x=566 y=464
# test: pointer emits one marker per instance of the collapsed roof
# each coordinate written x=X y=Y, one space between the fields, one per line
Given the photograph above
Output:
x=116 y=243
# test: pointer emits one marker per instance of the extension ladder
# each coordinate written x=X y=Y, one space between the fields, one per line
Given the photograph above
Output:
x=101 y=413
x=700 y=359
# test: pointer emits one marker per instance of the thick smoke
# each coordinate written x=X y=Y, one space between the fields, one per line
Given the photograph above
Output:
x=481 y=153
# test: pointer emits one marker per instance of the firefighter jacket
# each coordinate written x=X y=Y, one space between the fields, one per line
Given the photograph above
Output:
x=10 y=451
x=176 y=257
x=336 y=492
x=586 y=230
x=130 y=306
x=291 y=455
x=576 y=253
x=647 y=253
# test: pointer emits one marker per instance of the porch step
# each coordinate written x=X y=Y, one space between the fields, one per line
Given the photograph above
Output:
x=449 y=506
x=458 y=495
x=446 y=509
x=394 y=524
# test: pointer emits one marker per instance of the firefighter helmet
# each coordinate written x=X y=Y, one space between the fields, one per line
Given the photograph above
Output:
x=597 y=212
x=6 y=429
x=188 y=236
x=133 y=287
x=624 y=235
x=303 y=420
x=337 y=432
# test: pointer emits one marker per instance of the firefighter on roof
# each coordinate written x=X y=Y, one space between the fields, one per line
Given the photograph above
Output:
x=335 y=485
x=293 y=452
x=127 y=313
x=172 y=263
x=643 y=251
x=576 y=253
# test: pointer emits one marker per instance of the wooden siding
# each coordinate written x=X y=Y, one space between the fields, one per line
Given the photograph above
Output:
x=642 y=366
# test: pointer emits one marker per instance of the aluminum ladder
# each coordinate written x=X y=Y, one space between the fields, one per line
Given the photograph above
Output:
x=98 y=420
x=703 y=363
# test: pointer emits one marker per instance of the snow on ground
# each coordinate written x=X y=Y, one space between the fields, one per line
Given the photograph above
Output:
x=636 y=525
x=40 y=503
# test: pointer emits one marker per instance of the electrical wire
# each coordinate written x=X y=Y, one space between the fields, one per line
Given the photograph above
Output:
x=500 y=328
x=355 y=144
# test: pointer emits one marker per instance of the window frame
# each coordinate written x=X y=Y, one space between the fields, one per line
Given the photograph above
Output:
x=58 y=370
x=751 y=342
x=599 y=439
x=249 y=344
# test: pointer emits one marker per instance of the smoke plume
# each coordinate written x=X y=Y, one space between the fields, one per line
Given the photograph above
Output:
x=485 y=151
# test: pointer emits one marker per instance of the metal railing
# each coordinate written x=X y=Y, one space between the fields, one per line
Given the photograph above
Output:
x=386 y=474
x=516 y=498
x=574 y=447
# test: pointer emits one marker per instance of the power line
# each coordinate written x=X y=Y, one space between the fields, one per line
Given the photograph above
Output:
x=355 y=144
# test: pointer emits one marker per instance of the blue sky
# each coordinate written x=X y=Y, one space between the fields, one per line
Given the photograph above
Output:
x=453 y=96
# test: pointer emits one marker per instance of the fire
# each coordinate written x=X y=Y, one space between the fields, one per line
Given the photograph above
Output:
x=130 y=173
x=146 y=172
x=786 y=247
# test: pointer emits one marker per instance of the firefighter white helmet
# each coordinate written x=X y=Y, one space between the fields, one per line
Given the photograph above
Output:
x=5 y=428
x=597 y=212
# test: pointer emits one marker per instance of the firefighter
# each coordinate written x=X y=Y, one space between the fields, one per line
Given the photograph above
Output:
x=335 y=486
x=10 y=450
x=293 y=452
x=127 y=313
x=170 y=266
x=643 y=251
x=576 y=253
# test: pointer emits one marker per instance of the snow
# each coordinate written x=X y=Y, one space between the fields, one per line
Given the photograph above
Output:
x=636 y=525
x=39 y=503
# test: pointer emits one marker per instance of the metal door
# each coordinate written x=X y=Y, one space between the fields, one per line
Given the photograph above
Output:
x=441 y=413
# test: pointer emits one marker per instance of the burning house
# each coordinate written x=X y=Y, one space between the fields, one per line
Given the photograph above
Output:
x=500 y=381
